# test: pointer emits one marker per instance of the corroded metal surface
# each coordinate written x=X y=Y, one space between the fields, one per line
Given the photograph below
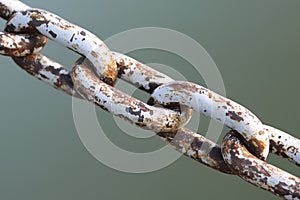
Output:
x=197 y=147
x=20 y=45
x=191 y=144
x=123 y=105
x=217 y=107
x=258 y=172
x=233 y=157
x=138 y=74
x=8 y=7
x=284 y=145
x=183 y=140
x=47 y=71
x=69 y=35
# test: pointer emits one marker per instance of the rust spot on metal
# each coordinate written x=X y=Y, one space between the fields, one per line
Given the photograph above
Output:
x=234 y=116
x=95 y=54
x=111 y=73
x=256 y=147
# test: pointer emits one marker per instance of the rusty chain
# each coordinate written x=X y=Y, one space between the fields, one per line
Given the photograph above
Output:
x=244 y=149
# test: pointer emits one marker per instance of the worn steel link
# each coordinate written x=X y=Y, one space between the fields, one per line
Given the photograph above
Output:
x=121 y=104
x=69 y=35
x=243 y=149
x=218 y=108
x=256 y=171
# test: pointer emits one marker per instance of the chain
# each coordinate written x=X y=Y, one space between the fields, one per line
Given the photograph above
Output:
x=244 y=149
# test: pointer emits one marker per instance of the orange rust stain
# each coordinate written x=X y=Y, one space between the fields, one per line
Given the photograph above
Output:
x=260 y=145
x=111 y=72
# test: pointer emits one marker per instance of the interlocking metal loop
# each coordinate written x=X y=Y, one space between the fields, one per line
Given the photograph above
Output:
x=84 y=42
x=68 y=35
x=183 y=140
x=219 y=108
x=123 y=105
x=191 y=144
x=258 y=172
x=29 y=26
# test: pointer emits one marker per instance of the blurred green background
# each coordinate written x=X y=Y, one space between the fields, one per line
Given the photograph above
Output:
x=255 y=45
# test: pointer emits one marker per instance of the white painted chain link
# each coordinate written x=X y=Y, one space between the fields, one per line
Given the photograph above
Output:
x=244 y=149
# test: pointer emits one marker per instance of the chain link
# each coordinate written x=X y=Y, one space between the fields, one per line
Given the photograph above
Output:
x=244 y=149
x=68 y=35
x=216 y=107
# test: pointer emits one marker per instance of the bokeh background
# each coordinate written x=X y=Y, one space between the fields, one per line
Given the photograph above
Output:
x=255 y=45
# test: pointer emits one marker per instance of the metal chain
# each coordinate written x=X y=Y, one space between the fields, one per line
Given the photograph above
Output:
x=244 y=149
x=226 y=112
